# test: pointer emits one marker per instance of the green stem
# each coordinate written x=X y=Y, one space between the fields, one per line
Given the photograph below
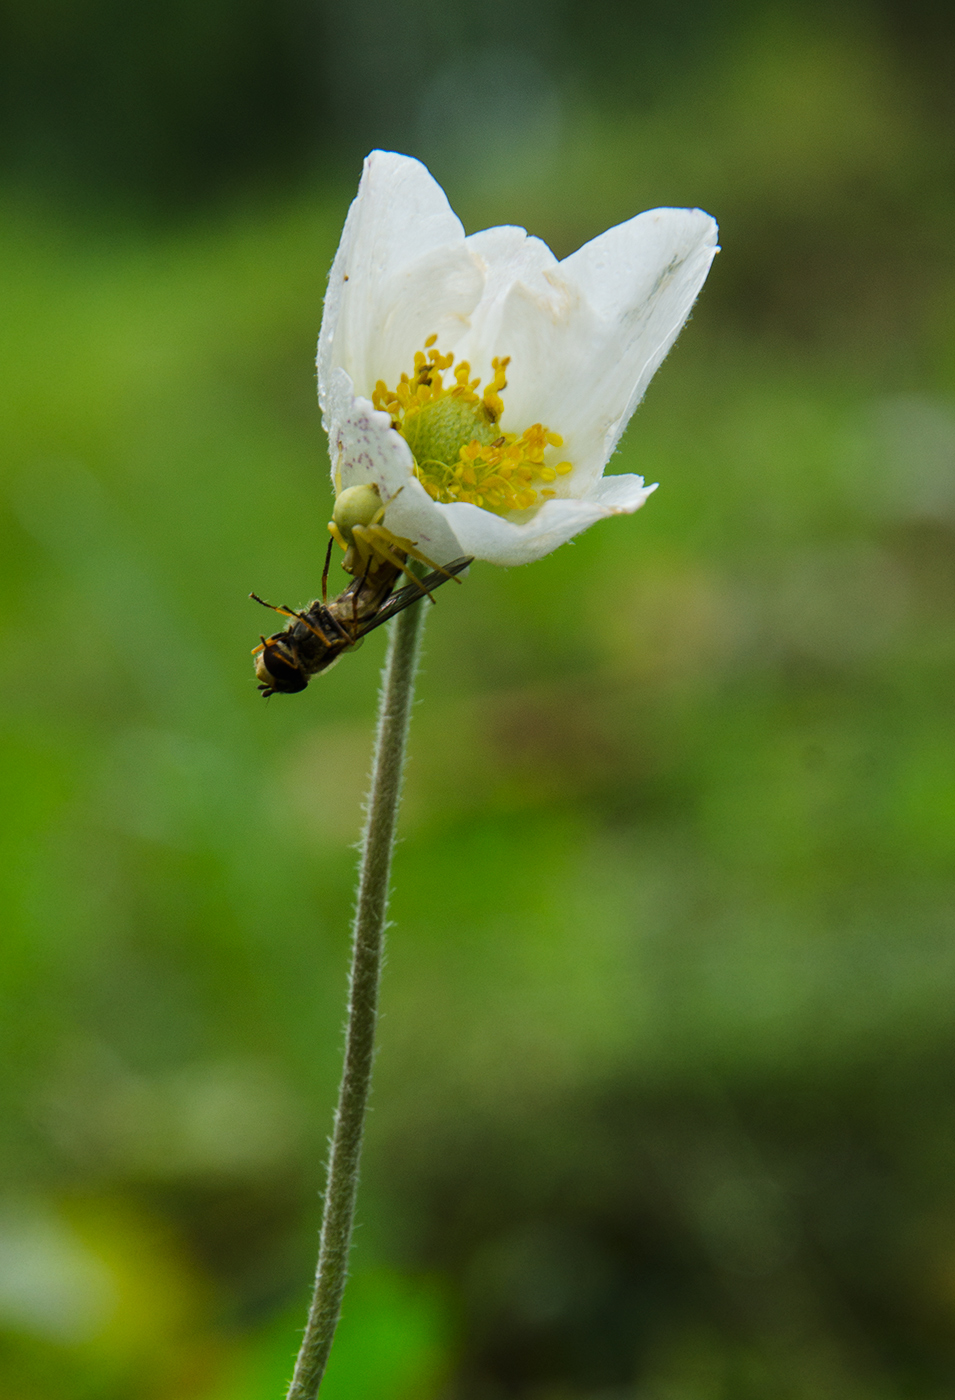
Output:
x=394 y=714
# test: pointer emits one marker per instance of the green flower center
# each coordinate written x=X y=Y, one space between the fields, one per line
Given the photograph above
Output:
x=439 y=429
x=459 y=450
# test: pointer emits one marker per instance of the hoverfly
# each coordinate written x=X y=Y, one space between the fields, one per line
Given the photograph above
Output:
x=314 y=638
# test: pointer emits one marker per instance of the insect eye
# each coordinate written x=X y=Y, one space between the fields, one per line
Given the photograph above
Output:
x=274 y=671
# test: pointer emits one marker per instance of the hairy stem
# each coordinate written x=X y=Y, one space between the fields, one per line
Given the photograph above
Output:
x=394 y=714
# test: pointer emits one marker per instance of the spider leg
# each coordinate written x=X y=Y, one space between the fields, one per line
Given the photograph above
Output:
x=408 y=547
x=373 y=539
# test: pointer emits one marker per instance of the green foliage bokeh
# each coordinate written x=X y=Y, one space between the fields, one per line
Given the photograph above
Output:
x=663 y=1104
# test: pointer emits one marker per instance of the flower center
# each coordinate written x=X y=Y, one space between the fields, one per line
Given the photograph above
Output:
x=459 y=450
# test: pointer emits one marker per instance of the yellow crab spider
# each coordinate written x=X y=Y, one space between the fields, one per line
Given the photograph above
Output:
x=356 y=526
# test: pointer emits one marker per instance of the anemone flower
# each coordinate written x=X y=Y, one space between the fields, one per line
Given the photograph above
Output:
x=418 y=317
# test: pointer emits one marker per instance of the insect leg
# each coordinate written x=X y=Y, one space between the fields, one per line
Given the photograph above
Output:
x=315 y=631
x=328 y=561
x=285 y=612
x=294 y=615
x=362 y=581
x=343 y=631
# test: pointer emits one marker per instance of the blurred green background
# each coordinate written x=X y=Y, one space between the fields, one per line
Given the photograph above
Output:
x=665 y=1103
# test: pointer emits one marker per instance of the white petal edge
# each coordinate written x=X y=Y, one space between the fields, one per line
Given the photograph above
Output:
x=399 y=216
x=499 y=541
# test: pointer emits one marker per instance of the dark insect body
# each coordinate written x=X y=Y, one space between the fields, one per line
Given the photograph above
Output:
x=314 y=638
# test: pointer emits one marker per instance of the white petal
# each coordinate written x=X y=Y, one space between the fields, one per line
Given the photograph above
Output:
x=415 y=517
x=364 y=447
x=399 y=224
x=508 y=255
x=587 y=338
x=642 y=278
x=499 y=541
x=362 y=444
x=561 y=354
x=435 y=296
x=620 y=495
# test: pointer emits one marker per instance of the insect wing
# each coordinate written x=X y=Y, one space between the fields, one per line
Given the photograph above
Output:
x=413 y=594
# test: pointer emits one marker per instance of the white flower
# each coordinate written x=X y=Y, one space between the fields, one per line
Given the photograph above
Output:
x=577 y=343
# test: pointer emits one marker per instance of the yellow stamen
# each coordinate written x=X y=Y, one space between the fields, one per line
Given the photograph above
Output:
x=460 y=452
